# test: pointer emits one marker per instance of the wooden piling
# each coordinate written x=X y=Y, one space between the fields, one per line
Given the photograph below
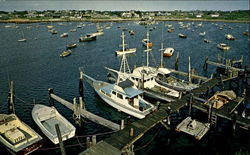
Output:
x=177 y=61
x=51 y=100
x=131 y=132
x=93 y=140
x=88 y=143
x=81 y=89
x=190 y=105
x=205 y=63
x=122 y=124
x=58 y=132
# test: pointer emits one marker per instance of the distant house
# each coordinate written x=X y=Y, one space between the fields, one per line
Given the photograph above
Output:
x=215 y=15
x=126 y=14
x=198 y=16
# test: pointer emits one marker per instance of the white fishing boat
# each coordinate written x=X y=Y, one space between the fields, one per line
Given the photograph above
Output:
x=22 y=39
x=168 y=52
x=230 y=37
x=17 y=136
x=125 y=50
x=223 y=46
x=123 y=96
x=47 y=117
x=64 y=35
x=202 y=33
x=182 y=35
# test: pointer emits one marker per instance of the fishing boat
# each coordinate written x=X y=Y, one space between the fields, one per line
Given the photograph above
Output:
x=230 y=37
x=206 y=40
x=87 y=37
x=17 y=136
x=73 y=45
x=65 y=53
x=72 y=30
x=223 y=46
x=64 y=35
x=168 y=52
x=146 y=42
x=219 y=99
x=125 y=50
x=182 y=35
x=47 y=117
x=53 y=31
x=98 y=33
x=22 y=39
x=246 y=33
x=202 y=33
x=123 y=96
x=131 y=32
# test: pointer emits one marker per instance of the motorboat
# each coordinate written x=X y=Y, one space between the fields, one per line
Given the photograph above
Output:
x=182 y=35
x=17 y=136
x=125 y=50
x=168 y=52
x=64 y=35
x=230 y=37
x=219 y=99
x=202 y=33
x=73 y=45
x=123 y=96
x=87 y=37
x=206 y=40
x=47 y=118
x=65 y=53
x=223 y=46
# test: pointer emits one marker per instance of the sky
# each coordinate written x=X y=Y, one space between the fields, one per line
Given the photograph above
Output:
x=119 y=5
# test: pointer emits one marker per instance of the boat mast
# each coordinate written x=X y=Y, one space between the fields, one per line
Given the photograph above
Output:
x=189 y=70
x=123 y=42
x=161 y=65
x=147 y=50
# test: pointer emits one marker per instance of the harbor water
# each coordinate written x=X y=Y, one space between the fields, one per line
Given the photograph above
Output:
x=35 y=66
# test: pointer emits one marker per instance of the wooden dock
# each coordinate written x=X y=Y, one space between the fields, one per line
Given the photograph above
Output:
x=123 y=139
x=86 y=114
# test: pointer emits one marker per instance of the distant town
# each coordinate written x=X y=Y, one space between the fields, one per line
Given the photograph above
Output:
x=92 y=15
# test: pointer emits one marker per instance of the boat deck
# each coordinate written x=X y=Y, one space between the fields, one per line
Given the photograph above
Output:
x=50 y=123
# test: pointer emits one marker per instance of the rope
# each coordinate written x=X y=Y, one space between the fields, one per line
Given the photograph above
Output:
x=139 y=148
x=57 y=147
x=79 y=142
x=23 y=100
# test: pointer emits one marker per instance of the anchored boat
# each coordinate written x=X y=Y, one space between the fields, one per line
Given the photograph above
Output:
x=125 y=50
x=17 y=136
x=65 y=53
x=47 y=117
x=88 y=37
x=123 y=96
x=223 y=46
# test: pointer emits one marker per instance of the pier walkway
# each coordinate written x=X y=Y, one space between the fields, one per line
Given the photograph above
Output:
x=123 y=139
x=86 y=114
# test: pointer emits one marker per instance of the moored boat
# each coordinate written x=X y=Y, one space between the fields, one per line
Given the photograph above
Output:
x=73 y=45
x=47 y=117
x=22 y=40
x=230 y=37
x=223 y=46
x=88 y=37
x=125 y=50
x=17 y=136
x=65 y=53
x=146 y=42
x=182 y=35
x=123 y=96
x=168 y=52
x=64 y=35
x=206 y=40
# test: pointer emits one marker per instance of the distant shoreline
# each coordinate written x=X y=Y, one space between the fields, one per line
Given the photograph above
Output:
x=19 y=20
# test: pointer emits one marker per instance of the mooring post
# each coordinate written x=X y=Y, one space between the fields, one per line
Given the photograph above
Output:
x=221 y=80
x=51 y=100
x=81 y=89
x=177 y=61
x=209 y=111
x=81 y=102
x=131 y=132
x=11 y=99
x=205 y=63
x=122 y=124
x=88 y=143
x=58 y=132
x=234 y=121
x=93 y=140
x=190 y=105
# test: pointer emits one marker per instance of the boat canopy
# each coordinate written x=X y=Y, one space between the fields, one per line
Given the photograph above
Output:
x=132 y=92
x=125 y=84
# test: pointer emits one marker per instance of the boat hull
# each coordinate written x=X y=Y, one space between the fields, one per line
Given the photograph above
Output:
x=128 y=51
x=47 y=123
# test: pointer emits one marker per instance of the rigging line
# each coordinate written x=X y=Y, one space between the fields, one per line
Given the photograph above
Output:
x=23 y=100
x=139 y=148
x=57 y=147
x=98 y=134
x=79 y=142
